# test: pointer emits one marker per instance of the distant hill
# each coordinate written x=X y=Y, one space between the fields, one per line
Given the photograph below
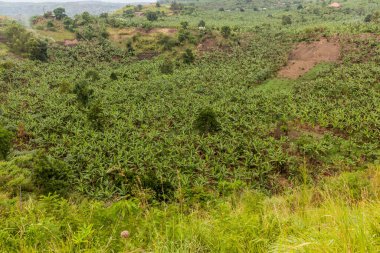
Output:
x=23 y=11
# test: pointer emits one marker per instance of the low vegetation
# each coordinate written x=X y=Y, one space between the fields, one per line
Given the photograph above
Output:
x=192 y=126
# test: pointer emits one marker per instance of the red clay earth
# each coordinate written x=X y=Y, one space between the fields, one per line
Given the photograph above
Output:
x=308 y=54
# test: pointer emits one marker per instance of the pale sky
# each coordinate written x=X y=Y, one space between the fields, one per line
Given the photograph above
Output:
x=52 y=1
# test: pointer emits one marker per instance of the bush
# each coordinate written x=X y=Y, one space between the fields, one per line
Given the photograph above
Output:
x=5 y=143
x=368 y=18
x=206 y=122
x=113 y=76
x=152 y=16
x=185 y=25
x=225 y=31
x=286 y=20
x=183 y=35
x=202 y=23
x=188 y=56
x=166 y=42
x=50 y=175
x=162 y=188
x=166 y=67
x=92 y=75
x=96 y=116
x=83 y=92
x=38 y=50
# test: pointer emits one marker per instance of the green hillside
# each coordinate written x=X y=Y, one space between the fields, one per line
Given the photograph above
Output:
x=198 y=126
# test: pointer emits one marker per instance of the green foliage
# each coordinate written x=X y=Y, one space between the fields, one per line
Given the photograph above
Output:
x=184 y=25
x=368 y=18
x=83 y=92
x=13 y=178
x=183 y=35
x=50 y=175
x=225 y=31
x=59 y=13
x=23 y=42
x=97 y=116
x=167 y=42
x=286 y=20
x=278 y=223
x=188 y=56
x=167 y=67
x=113 y=76
x=207 y=122
x=92 y=75
x=5 y=143
x=151 y=16
x=38 y=50
x=202 y=23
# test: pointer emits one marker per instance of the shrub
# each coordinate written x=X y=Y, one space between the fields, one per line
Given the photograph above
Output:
x=83 y=92
x=38 y=50
x=286 y=20
x=368 y=18
x=130 y=49
x=163 y=189
x=166 y=42
x=206 y=122
x=183 y=35
x=225 y=31
x=188 y=56
x=166 y=67
x=152 y=16
x=50 y=175
x=92 y=75
x=96 y=116
x=202 y=23
x=113 y=76
x=5 y=143
x=185 y=25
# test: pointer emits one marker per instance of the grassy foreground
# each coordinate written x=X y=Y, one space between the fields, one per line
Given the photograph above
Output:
x=340 y=215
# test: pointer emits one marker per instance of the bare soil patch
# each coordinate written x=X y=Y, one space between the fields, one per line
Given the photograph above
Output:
x=306 y=55
x=70 y=43
x=207 y=45
x=3 y=39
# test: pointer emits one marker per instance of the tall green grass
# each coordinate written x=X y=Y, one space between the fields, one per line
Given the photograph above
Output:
x=339 y=215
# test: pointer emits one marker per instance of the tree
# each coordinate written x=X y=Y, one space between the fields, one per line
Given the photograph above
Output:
x=152 y=16
x=188 y=56
x=158 y=5
x=59 y=13
x=225 y=31
x=286 y=20
x=5 y=143
x=38 y=50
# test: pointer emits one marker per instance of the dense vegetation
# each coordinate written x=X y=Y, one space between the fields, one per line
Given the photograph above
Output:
x=169 y=120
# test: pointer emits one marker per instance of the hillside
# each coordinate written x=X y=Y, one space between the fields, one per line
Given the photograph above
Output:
x=197 y=126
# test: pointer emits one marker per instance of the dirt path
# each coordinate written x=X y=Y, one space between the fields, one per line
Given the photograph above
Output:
x=306 y=55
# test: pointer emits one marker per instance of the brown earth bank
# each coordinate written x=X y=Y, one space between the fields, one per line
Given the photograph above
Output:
x=308 y=54
x=122 y=34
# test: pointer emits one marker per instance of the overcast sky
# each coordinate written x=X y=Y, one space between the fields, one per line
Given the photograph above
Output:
x=110 y=1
